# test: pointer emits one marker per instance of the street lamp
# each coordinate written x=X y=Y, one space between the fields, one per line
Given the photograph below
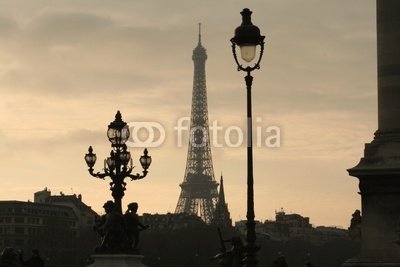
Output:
x=118 y=165
x=247 y=37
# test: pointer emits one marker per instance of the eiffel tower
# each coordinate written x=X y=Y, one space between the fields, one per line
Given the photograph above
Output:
x=199 y=193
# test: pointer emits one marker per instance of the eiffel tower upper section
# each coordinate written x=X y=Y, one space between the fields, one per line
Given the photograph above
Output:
x=199 y=189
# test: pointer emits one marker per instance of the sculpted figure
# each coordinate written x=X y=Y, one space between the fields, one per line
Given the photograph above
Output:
x=111 y=229
x=232 y=257
x=279 y=262
x=9 y=258
x=355 y=225
x=35 y=260
x=133 y=226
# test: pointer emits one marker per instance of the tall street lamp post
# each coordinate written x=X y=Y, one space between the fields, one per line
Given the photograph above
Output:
x=247 y=37
x=119 y=165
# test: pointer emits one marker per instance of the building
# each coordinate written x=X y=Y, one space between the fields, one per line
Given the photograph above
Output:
x=240 y=228
x=85 y=215
x=222 y=216
x=294 y=227
x=171 y=221
x=22 y=222
x=292 y=220
x=61 y=227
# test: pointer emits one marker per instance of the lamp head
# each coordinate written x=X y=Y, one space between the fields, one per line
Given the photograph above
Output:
x=90 y=157
x=118 y=131
x=247 y=37
x=145 y=160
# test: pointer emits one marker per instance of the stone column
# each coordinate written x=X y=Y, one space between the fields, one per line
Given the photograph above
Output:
x=379 y=169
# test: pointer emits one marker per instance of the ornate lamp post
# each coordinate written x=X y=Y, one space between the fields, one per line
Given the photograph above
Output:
x=118 y=165
x=247 y=37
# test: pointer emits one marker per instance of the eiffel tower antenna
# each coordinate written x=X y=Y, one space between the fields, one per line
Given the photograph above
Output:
x=200 y=33
x=199 y=193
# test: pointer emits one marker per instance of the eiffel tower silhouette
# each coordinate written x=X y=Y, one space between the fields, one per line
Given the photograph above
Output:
x=199 y=193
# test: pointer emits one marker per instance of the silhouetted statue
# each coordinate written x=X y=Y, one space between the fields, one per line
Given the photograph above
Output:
x=279 y=262
x=9 y=258
x=111 y=229
x=355 y=225
x=234 y=256
x=35 y=260
x=133 y=226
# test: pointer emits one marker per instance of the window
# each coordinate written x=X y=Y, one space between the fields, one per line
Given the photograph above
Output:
x=19 y=230
x=32 y=231
x=33 y=220
x=90 y=221
x=19 y=219
x=5 y=219
x=19 y=242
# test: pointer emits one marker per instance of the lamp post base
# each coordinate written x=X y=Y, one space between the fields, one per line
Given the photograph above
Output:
x=120 y=260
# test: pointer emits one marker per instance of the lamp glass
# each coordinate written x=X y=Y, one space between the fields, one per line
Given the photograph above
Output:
x=90 y=159
x=125 y=133
x=248 y=52
x=112 y=135
x=118 y=136
x=110 y=163
x=145 y=161
x=124 y=156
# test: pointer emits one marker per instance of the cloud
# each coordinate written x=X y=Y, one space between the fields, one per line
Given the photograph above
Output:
x=7 y=28
x=66 y=27
x=75 y=54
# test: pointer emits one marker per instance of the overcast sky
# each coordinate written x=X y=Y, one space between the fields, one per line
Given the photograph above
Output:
x=66 y=67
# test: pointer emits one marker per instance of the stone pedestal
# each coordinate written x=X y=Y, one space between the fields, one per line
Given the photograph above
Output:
x=117 y=260
x=380 y=200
